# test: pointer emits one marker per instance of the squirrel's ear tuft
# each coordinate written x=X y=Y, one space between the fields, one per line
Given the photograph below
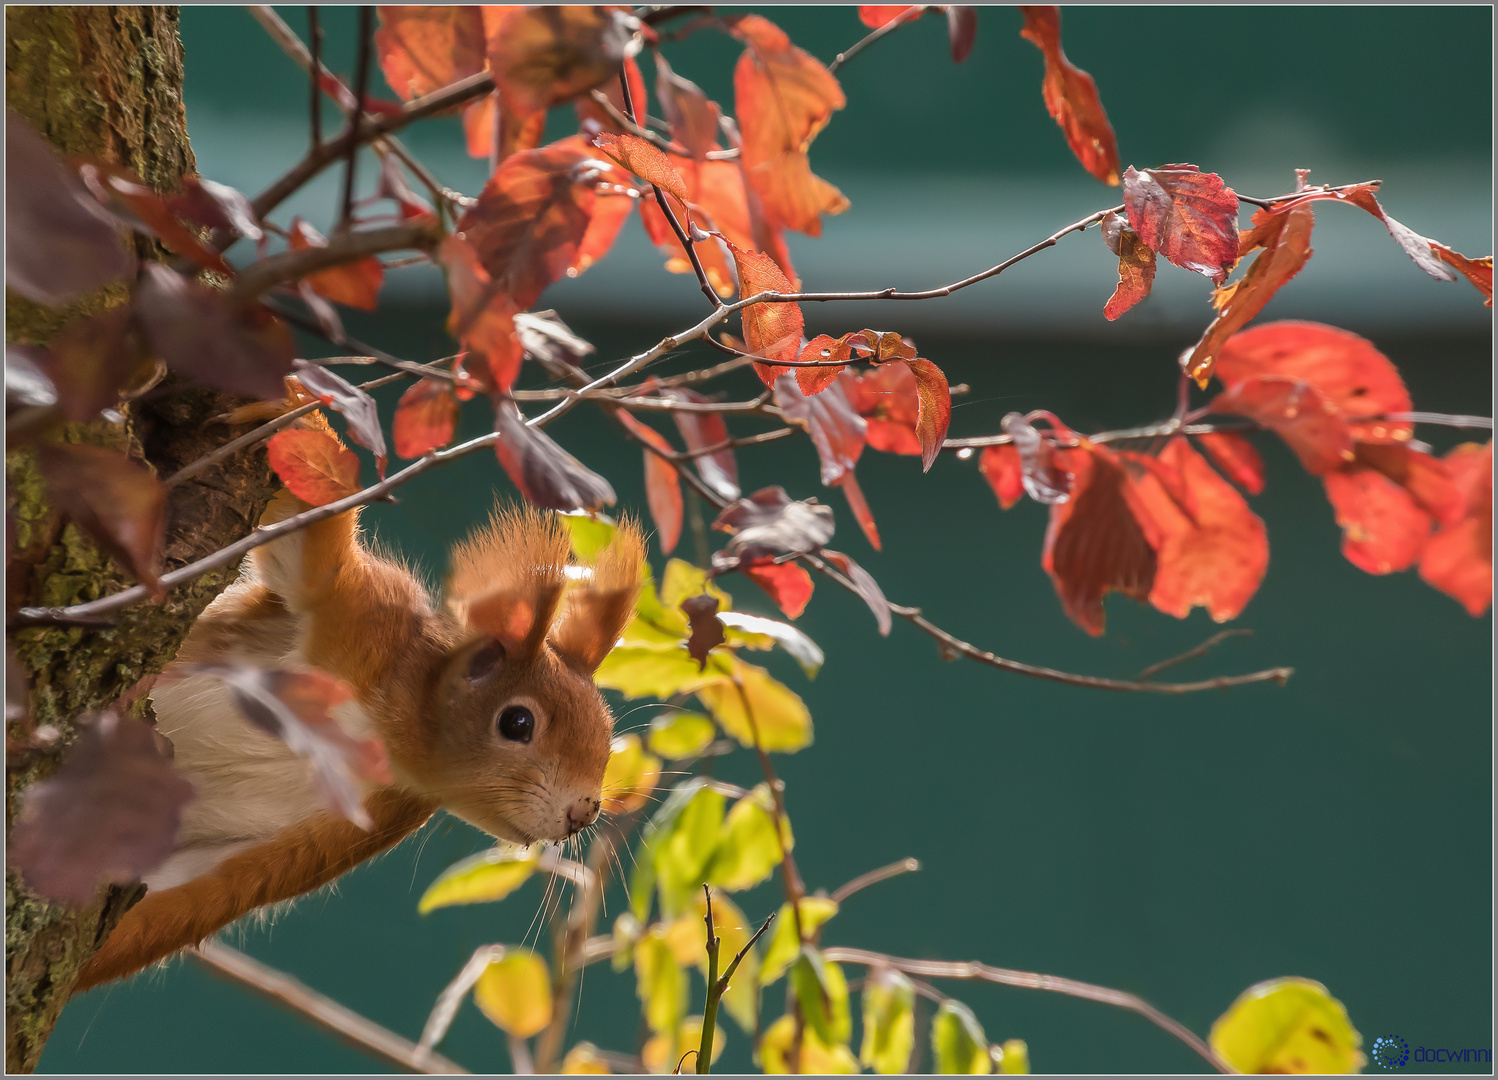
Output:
x=507 y=578
x=598 y=611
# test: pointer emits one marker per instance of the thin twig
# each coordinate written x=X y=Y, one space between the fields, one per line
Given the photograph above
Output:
x=1191 y=654
x=874 y=35
x=714 y=991
x=343 y=247
x=874 y=877
x=314 y=69
x=339 y=1020
x=941 y=969
x=361 y=90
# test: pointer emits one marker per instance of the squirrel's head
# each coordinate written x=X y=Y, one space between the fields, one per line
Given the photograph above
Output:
x=522 y=736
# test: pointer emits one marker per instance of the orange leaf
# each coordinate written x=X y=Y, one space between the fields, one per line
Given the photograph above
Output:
x=935 y=414
x=1136 y=266
x=1187 y=215
x=1458 y=560
x=1214 y=558
x=1235 y=456
x=1426 y=478
x=1071 y=97
x=482 y=316
x=887 y=400
x=1000 y=466
x=1298 y=412
x=425 y=418
x=589 y=109
x=644 y=160
x=788 y=584
x=1478 y=271
x=543 y=56
x=693 y=118
x=1383 y=529
x=783 y=97
x=822 y=348
x=876 y=15
x=1093 y=544
x=662 y=484
x=610 y=211
x=422 y=49
x=771 y=330
x=356 y=283
x=1358 y=379
x=1286 y=240
x=860 y=507
x=314 y=466
x=712 y=252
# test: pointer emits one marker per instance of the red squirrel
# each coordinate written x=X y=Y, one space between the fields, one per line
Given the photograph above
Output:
x=501 y=727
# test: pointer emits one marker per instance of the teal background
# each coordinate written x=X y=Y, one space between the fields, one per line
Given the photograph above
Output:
x=1184 y=848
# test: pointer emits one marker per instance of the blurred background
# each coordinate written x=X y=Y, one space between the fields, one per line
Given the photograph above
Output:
x=1182 y=848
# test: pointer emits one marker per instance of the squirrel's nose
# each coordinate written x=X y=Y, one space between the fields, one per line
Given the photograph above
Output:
x=582 y=813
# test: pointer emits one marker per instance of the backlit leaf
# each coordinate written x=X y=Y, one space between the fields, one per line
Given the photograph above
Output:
x=137 y=205
x=630 y=777
x=748 y=850
x=758 y=704
x=887 y=400
x=861 y=510
x=120 y=505
x=357 y=407
x=585 y=1060
x=661 y=1053
x=545 y=473
x=678 y=735
x=1235 y=456
x=1187 y=215
x=1000 y=466
x=1298 y=412
x=543 y=56
x=356 y=283
x=662 y=485
x=822 y=992
x=1015 y=1059
x=682 y=580
x=876 y=15
x=660 y=984
x=1287 y=1026
x=1426 y=478
x=814 y=1058
x=1384 y=530
x=682 y=851
x=760 y=633
x=482 y=317
x=957 y=1041
x=514 y=993
x=488 y=876
x=693 y=118
x=1478 y=271
x=110 y=814
x=636 y=155
x=422 y=49
x=888 y=1022
x=314 y=466
x=1458 y=560
x=785 y=945
x=1071 y=97
x=425 y=418
x=771 y=330
x=641 y=671
x=789 y=585
x=935 y=409
x=1136 y=266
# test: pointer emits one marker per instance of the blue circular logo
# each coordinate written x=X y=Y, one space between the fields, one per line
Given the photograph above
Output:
x=1391 y=1051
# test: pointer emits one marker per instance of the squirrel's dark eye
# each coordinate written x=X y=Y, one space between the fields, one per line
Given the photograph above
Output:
x=517 y=724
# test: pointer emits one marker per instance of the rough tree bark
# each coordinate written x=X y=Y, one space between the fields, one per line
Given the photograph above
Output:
x=104 y=83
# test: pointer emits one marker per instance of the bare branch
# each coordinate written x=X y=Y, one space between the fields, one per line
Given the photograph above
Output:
x=344 y=247
x=1191 y=654
x=874 y=35
x=874 y=877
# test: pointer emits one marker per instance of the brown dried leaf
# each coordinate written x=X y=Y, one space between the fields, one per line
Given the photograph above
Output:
x=117 y=502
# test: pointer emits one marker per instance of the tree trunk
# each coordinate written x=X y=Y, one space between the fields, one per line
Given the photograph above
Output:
x=103 y=83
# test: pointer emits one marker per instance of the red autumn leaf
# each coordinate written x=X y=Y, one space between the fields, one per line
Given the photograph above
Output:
x=783 y=97
x=835 y=429
x=1354 y=376
x=833 y=353
x=1042 y=476
x=356 y=283
x=962 y=29
x=425 y=418
x=881 y=345
x=770 y=523
x=1286 y=243
x=1478 y=271
x=1187 y=215
x=215 y=206
x=590 y=111
x=701 y=430
x=860 y=507
x=706 y=628
x=1298 y=412
x=60 y=244
x=713 y=252
x=357 y=407
x=422 y=49
x=662 y=485
x=1093 y=544
x=90 y=360
x=935 y=415
x=1384 y=530
x=543 y=56
x=876 y=15
x=1136 y=266
x=110 y=814
x=117 y=502
x=771 y=330
x=1458 y=560
x=1420 y=249
x=1426 y=478
x=610 y=211
x=693 y=118
x=788 y=584
x=482 y=316
x=887 y=400
x=1000 y=466
x=1235 y=456
x=543 y=472
x=517 y=134
x=191 y=327
x=644 y=160
x=1071 y=98
x=864 y=583
x=137 y=206
x=314 y=466
x=1215 y=556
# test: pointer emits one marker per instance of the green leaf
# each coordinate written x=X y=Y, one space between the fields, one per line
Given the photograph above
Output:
x=514 y=992
x=749 y=851
x=682 y=580
x=823 y=993
x=781 y=717
x=888 y=1022
x=1287 y=1026
x=958 y=1042
x=489 y=875
x=677 y=735
x=590 y=532
x=682 y=855
x=653 y=671
x=784 y=944
x=657 y=830
x=756 y=632
x=659 y=982
x=1016 y=1057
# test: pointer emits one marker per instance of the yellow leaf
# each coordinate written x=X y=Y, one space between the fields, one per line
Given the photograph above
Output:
x=584 y=1058
x=784 y=944
x=688 y=938
x=490 y=875
x=780 y=716
x=749 y=852
x=958 y=1043
x=659 y=982
x=823 y=993
x=888 y=1022
x=661 y=1052
x=817 y=1058
x=630 y=777
x=515 y=994
x=682 y=855
x=649 y=671
x=679 y=735
x=1016 y=1059
x=1288 y=1026
x=590 y=532
x=682 y=580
